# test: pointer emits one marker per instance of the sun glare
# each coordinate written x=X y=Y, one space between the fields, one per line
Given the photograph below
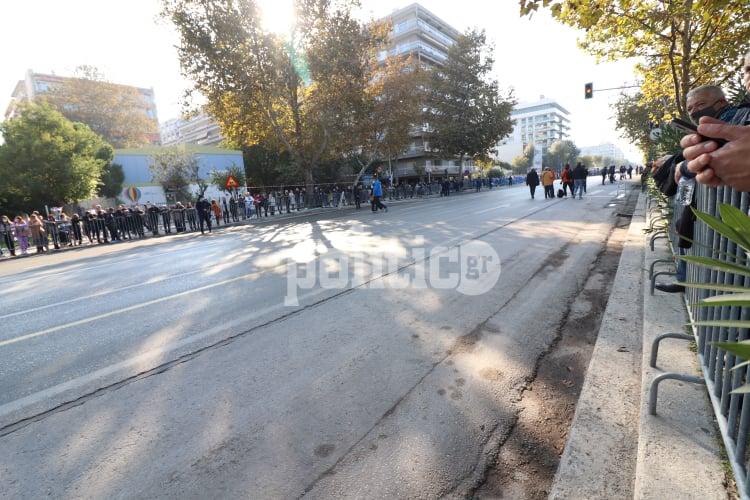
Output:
x=278 y=15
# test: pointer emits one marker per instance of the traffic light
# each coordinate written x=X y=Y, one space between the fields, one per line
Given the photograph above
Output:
x=589 y=90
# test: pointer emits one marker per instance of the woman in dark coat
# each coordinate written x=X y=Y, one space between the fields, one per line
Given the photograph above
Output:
x=532 y=180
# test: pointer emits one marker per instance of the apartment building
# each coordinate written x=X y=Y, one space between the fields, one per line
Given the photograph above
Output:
x=35 y=84
x=200 y=129
x=419 y=33
x=539 y=123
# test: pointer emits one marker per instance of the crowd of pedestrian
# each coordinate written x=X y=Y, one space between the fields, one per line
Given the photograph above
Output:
x=572 y=179
x=60 y=228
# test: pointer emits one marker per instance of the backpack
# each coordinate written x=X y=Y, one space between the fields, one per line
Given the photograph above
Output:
x=560 y=193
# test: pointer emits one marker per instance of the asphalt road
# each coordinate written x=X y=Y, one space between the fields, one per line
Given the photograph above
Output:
x=173 y=368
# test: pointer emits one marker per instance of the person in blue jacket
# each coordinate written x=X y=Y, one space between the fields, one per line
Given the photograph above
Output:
x=377 y=193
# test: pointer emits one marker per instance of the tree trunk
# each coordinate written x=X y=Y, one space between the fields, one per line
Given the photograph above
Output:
x=361 y=171
x=309 y=185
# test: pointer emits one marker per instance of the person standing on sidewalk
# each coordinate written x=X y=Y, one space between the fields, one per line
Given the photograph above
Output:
x=604 y=175
x=75 y=225
x=532 y=180
x=227 y=215
x=216 y=209
x=22 y=233
x=38 y=234
x=567 y=180
x=377 y=193
x=233 y=208
x=358 y=195
x=548 y=181
x=203 y=207
x=8 y=230
x=579 y=177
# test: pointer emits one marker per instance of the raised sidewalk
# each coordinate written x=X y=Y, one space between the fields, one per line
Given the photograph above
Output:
x=615 y=449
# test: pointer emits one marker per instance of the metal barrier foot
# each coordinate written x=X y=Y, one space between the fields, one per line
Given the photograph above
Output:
x=653 y=390
x=651 y=267
x=660 y=273
x=658 y=339
x=657 y=236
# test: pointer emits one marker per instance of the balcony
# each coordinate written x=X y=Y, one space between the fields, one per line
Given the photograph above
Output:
x=421 y=26
x=413 y=47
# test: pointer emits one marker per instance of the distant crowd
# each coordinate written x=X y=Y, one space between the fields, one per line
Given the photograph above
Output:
x=69 y=228
x=573 y=179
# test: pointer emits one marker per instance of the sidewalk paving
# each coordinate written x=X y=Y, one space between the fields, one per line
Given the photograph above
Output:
x=615 y=448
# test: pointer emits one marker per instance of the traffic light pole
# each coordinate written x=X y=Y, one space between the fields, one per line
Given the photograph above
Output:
x=588 y=89
x=618 y=88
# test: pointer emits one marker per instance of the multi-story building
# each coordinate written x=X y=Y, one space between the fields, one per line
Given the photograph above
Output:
x=606 y=149
x=539 y=123
x=199 y=129
x=417 y=32
x=35 y=84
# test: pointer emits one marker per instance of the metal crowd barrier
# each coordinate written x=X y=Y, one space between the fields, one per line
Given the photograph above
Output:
x=154 y=222
x=720 y=369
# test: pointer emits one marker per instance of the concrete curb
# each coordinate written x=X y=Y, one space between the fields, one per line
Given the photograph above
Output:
x=678 y=448
x=599 y=459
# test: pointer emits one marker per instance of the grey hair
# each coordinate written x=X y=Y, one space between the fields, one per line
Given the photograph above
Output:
x=713 y=90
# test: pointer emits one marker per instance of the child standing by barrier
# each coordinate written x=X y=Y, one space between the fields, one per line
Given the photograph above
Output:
x=22 y=234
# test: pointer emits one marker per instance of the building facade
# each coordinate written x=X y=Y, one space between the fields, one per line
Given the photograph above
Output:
x=539 y=123
x=139 y=187
x=606 y=149
x=417 y=32
x=35 y=84
x=200 y=129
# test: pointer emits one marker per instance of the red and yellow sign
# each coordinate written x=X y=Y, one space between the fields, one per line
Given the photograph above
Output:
x=232 y=183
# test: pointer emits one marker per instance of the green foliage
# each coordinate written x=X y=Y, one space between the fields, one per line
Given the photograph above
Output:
x=266 y=165
x=522 y=163
x=110 y=184
x=175 y=170
x=48 y=160
x=634 y=115
x=497 y=172
x=668 y=141
x=466 y=113
x=735 y=226
x=596 y=161
x=561 y=152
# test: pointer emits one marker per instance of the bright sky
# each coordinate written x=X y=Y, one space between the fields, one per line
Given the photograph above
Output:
x=131 y=45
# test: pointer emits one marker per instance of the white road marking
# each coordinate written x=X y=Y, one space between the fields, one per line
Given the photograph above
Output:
x=127 y=309
x=109 y=257
x=152 y=355
x=106 y=292
x=506 y=205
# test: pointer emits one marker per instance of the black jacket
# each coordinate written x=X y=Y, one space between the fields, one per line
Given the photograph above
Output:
x=532 y=178
x=664 y=177
x=203 y=207
x=579 y=173
x=685 y=226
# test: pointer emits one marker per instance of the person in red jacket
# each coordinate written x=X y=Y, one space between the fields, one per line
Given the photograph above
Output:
x=567 y=180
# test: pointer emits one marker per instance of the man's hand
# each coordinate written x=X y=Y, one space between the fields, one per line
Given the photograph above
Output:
x=716 y=166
